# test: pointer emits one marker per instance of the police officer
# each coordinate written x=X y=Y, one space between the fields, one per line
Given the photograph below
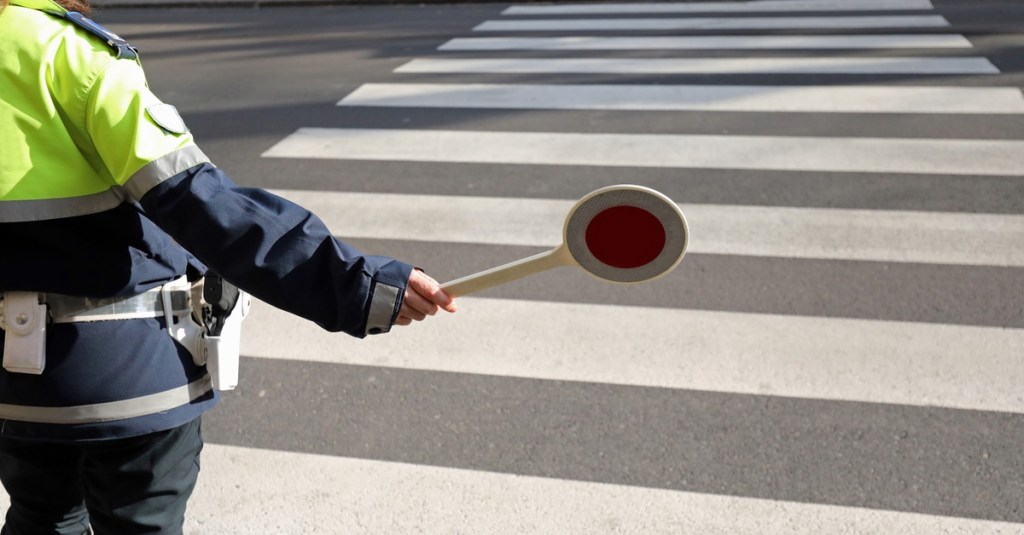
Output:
x=105 y=204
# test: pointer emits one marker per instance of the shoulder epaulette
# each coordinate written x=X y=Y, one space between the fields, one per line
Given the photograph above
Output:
x=123 y=49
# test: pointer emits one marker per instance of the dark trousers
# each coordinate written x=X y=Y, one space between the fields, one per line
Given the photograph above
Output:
x=120 y=487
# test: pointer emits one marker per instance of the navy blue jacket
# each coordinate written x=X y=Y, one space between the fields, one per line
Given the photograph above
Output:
x=278 y=251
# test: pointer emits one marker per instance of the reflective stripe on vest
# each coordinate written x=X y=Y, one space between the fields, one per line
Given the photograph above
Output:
x=19 y=211
x=114 y=410
x=153 y=173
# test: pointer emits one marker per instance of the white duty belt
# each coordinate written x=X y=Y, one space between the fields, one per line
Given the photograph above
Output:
x=149 y=304
x=24 y=317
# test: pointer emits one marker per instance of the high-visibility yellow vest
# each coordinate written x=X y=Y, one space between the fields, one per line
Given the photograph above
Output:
x=80 y=132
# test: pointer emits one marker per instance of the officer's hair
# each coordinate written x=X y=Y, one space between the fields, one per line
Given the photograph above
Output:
x=81 y=6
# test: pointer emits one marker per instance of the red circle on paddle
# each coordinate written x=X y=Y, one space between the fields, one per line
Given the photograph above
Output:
x=625 y=237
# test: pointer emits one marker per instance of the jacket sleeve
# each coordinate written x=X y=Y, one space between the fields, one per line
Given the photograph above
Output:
x=278 y=251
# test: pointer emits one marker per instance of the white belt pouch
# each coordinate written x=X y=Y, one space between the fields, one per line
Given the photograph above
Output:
x=24 y=322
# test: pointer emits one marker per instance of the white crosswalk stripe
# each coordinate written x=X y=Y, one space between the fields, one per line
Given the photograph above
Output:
x=861 y=364
x=762 y=65
x=750 y=6
x=710 y=42
x=830 y=99
x=709 y=23
x=294 y=493
x=868 y=155
x=879 y=362
x=876 y=235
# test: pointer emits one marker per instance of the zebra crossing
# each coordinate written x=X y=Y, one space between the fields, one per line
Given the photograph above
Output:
x=759 y=389
x=947 y=366
x=913 y=364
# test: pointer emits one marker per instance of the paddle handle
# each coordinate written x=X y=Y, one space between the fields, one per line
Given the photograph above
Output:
x=483 y=280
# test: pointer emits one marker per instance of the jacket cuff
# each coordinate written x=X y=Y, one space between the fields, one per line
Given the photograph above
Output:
x=386 y=295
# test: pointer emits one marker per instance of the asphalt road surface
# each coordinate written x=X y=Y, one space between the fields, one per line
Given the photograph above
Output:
x=840 y=351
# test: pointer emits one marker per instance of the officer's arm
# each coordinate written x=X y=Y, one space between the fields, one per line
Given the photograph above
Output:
x=278 y=251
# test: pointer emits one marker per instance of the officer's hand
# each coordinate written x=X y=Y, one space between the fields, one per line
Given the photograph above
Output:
x=423 y=297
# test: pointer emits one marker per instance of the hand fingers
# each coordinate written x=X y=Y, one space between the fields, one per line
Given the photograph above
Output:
x=423 y=297
x=430 y=290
